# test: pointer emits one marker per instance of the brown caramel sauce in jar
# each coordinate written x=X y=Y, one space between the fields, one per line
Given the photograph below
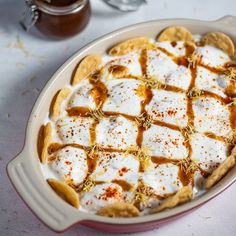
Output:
x=62 y=18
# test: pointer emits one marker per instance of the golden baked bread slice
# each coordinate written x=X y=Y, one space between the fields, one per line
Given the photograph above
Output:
x=65 y=192
x=119 y=210
x=86 y=67
x=175 y=33
x=55 y=108
x=129 y=46
x=221 y=171
x=46 y=139
x=183 y=195
x=221 y=41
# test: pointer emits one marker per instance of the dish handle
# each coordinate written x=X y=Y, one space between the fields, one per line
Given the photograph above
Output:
x=227 y=20
x=52 y=211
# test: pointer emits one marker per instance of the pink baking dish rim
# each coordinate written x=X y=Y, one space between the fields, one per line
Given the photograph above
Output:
x=23 y=167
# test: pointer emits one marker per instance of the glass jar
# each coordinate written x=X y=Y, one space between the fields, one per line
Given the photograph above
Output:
x=57 y=18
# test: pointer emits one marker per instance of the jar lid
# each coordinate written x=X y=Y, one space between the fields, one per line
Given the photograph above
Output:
x=51 y=9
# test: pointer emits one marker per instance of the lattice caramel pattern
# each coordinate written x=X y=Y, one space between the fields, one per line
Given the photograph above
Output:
x=92 y=69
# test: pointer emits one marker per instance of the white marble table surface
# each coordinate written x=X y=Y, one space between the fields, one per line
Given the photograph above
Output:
x=23 y=73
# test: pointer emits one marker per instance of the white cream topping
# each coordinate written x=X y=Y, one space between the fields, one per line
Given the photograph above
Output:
x=48 y=172
x=177 y=50
x=102 y=195
x=123 y=96
x=70 y=164
x=166 y=70
x=82 y=96
x=206 y=152
x=212 y=56
x=209 y=81
x=163 y=179
x=74 y=130
x=116 y=166
x=165 y=142
x=131 y=61
x=211 y=116
x=116 y=132
x=169 y=107
x=55 y=136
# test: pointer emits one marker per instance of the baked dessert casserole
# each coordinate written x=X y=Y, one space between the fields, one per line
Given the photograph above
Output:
x=147 y=127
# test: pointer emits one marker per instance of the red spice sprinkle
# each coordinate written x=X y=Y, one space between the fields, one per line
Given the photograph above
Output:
x=171 y=112
x=89 y=202
x=174 y=143
x=68 y=162
x=110 y=193
x=123 y=170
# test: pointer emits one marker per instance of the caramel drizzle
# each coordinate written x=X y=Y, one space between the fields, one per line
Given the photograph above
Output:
x=163 y=160
x=148 y=97
x=124 y=184
x=93 y=132
x=190 y=113
x=232 y=110
x=143 y=61
x=167 y=87
x=91 y=162
x=167 y=125
x=54 y=147
x=78 y=111
x=100 y=94
x=188 y=177
x=223 y=101
x=165 y=51
x=142 y=128
x=99 y=91
x=216 y=137
x=113 y=113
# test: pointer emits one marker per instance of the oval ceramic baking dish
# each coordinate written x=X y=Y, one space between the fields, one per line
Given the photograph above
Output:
x=24 y=170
